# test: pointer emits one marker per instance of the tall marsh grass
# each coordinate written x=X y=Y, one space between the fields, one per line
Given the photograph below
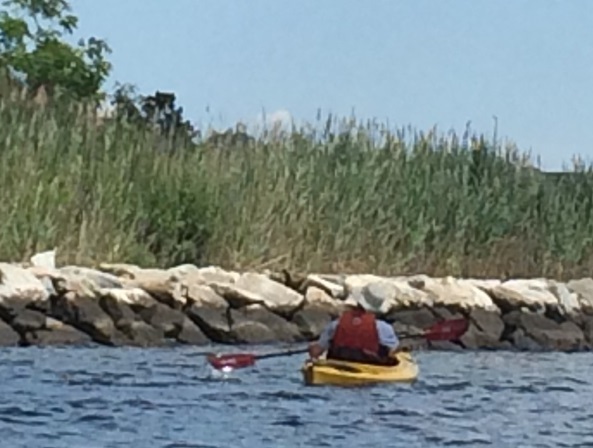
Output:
x=350 y=197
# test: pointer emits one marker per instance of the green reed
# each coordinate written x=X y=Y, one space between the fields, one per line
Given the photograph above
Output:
x=351 y=197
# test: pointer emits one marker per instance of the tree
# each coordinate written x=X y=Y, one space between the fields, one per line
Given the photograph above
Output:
x=158 y=112
x=33 y=52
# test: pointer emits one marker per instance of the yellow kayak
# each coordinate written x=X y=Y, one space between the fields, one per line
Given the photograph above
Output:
x=342 y=373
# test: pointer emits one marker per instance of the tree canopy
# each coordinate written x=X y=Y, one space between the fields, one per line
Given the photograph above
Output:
x=33 y=50
x=35 y=53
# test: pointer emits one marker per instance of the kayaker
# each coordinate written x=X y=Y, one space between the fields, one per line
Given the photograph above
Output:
x=358 y=335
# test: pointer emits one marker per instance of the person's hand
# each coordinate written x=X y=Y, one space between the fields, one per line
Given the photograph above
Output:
x=315 y=351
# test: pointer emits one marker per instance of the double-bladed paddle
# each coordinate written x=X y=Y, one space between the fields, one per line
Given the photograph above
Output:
x=446 y=330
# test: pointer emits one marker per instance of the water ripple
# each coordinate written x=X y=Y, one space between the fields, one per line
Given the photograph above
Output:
x=169 y=398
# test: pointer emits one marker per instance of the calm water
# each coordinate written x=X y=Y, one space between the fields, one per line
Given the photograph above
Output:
x=107 y=397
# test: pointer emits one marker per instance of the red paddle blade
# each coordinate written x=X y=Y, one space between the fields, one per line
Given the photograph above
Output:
x=233 y=361
x=447 y=330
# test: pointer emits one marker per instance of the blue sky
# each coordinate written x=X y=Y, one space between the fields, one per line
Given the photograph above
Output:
x=413 y=62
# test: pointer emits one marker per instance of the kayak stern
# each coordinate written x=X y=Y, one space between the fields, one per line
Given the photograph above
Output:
x=342 y=373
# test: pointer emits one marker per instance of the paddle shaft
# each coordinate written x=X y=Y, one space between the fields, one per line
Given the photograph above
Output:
x=300 y=351
x=444 y=330
x=281 y=354
x=305 y=350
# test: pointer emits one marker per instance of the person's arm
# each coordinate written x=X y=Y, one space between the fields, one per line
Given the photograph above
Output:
x=317 y=348
x=388 y=338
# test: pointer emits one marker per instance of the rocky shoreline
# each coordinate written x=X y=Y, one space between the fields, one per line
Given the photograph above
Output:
x=127 y=305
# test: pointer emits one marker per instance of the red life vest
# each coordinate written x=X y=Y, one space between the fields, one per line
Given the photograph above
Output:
x=356 y=332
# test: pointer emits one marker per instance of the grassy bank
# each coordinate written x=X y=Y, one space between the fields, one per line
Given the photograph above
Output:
x=361 y=200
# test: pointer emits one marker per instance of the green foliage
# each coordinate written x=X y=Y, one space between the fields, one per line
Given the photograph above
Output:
x=358 y=197
x=34 y=52
x=94 y=191
x=157 y=112
x=352 y=197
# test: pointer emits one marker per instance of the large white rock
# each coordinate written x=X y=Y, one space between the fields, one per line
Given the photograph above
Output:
x=131 y=296
x=360 y=280
x=397 y=294
x=486 y=285
x=205 y=276
x=201 y=295
x=400 y=293
x=583 y=288
x=452 y=292
x=466 y=294
x=405 y=295
x=332 y=288
x=320 y=299
x=531 y=293
x=98 y=278
x=568 y=301
x=120 y=269
x=45 y=260
x=19 y=283
x=252 y=288
x=183 y=270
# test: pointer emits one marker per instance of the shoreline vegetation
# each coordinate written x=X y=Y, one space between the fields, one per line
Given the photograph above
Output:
x=351 y=198
x=112 y=177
